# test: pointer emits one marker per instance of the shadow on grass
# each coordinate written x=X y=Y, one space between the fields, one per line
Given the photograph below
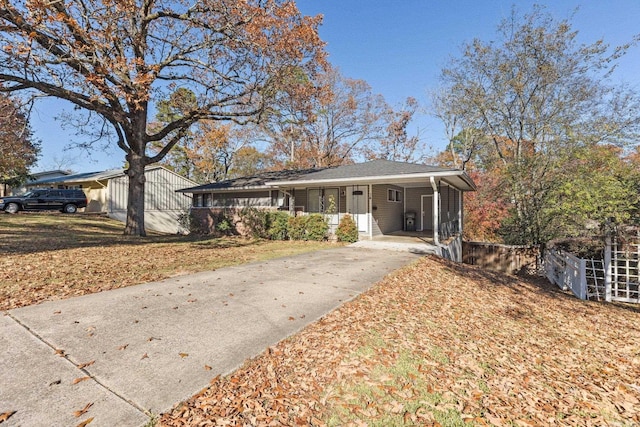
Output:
x=32 y=233
x=519 y=284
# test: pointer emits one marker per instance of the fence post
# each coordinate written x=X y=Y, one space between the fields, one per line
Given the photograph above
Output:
x=607 y=267
x=583 y=279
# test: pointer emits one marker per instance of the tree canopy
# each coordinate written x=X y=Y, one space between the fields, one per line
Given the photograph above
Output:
x=19 y=149
x=116 y=60
x=522 y=105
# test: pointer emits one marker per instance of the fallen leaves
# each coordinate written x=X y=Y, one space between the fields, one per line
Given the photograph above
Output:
x=85 y=422
x=80 y=379
x=441 y=344
x=6 y=415
x=32 y=246
x=86 y=364
x=83 y=411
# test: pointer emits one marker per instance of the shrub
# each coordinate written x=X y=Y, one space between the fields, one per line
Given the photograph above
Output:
x=347 y=230
x=278 y=225
x=224 y=224
x=255 y=221
x=317 y=227
x=308 y=227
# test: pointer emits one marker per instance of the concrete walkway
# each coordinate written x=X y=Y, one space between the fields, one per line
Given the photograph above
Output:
x=125 y=354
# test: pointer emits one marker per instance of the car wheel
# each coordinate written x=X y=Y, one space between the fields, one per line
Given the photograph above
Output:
x=70 y=208
x=12 y=208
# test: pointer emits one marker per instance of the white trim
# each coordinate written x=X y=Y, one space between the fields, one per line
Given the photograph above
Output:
x=436 y=210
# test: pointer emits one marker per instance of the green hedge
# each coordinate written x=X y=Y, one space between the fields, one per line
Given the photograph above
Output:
x=280 y=225
x=308 y=227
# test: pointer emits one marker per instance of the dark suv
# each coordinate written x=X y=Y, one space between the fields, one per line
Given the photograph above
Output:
x=63 y=200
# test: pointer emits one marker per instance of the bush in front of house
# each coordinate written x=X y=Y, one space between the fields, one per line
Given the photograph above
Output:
x=347 y=230
x=224 y=224
x=278 y=225
x=255 y=222
x=308 y=227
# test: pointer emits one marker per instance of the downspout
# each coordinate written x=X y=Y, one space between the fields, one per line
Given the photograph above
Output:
x=436 y=210
x=460 y=212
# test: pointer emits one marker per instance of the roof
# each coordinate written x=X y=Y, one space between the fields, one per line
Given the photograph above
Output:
x=58 y=172
x=252 y=182
x=373 y=172
x=384 y=172
x=374 y=168
x=91 y=176
x=78 y=177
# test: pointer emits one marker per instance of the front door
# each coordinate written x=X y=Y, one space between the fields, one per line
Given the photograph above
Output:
x=358 y=206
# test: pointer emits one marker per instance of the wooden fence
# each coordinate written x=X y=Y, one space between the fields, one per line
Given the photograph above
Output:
x=504 y=258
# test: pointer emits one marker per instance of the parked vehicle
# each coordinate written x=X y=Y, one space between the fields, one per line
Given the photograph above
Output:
x=63 y=200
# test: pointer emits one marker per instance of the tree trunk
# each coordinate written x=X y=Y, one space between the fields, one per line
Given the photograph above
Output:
x=135 y=203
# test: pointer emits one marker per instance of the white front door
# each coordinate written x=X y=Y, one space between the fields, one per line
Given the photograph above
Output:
x=358 y=206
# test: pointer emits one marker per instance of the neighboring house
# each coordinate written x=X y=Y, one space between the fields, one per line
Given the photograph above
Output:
x=384 y=197
x=107 y=192
x=5 y=190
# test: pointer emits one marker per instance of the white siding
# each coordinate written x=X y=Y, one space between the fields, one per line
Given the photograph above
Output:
x=161 y=202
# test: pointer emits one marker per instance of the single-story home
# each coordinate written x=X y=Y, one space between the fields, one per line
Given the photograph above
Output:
x=107 y=192
x=6 y=190
x=384 y=197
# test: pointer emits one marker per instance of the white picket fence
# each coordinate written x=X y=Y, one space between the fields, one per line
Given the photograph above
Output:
x=614 y=278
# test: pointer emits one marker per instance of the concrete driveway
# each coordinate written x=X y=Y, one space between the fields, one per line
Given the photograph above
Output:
x=122 y=355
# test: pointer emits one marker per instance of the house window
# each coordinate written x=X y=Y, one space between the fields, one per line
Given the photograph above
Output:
x=197 y=200
x=206 y=200
x=394 y=195
x=323 y=200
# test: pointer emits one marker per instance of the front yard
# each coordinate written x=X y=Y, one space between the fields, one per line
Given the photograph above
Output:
x=435 y=343
x=441 y=344
x=52 y=256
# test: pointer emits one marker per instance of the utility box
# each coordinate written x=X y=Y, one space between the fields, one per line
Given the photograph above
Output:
x=410 y=221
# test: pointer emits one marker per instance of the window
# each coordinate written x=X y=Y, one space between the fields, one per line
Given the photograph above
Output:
x=207 y=200
x=394 y=195
x=197 y=200
x=323 y=200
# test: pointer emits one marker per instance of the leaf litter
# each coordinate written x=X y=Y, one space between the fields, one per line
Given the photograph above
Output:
x=438 y=343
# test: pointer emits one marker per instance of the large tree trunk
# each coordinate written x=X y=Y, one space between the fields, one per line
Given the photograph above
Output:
x=135 y=203
x=137 y=162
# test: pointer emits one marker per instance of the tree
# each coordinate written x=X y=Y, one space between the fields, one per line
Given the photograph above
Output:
x=19 y=149
x=115 y=60
x=395 y=143
x=215 y=148
x=535 y=95
x=595 y=185
x=179 y=103
x=339 y=116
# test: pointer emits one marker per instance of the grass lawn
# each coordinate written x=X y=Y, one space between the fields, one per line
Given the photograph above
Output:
x=441 y=344
x=45 y=256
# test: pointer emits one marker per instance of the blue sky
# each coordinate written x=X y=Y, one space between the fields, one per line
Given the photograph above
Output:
x=399 y=48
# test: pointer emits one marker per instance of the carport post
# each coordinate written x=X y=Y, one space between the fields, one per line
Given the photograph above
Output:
x=436 y=210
